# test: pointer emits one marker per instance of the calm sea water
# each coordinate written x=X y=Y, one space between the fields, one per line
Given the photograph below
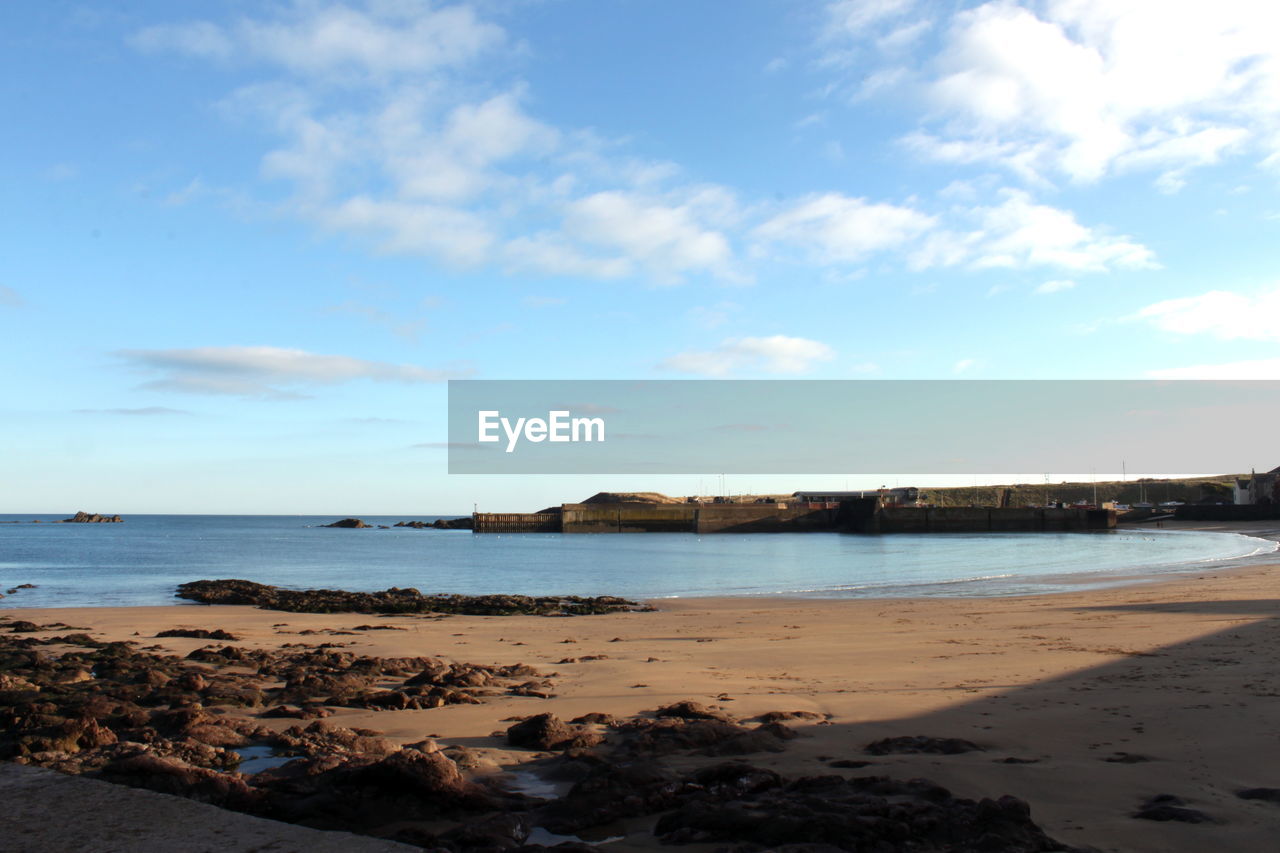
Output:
x=142 y=560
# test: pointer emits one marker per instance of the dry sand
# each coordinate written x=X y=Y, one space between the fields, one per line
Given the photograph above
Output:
x=1184 y=673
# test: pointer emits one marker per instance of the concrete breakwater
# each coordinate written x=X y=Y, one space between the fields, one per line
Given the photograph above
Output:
x=853 y=516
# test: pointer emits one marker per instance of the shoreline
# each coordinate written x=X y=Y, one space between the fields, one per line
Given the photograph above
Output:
x=1111 y=696
x=1023 y=585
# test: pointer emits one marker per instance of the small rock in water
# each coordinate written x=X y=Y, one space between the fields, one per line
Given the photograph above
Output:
x=91 y=518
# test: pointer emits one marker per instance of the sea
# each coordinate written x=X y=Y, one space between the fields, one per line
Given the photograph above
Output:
x=142 y=560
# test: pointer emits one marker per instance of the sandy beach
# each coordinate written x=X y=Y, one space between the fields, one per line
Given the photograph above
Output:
x=1105 y=698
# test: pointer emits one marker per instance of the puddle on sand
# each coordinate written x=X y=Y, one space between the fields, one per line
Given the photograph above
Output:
x=538 y=835
x=532 y=784
x=254 y=759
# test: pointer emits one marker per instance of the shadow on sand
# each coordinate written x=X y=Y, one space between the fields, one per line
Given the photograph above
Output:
x=1198 y=719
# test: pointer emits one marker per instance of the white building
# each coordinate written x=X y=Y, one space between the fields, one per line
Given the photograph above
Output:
x=1259 y=488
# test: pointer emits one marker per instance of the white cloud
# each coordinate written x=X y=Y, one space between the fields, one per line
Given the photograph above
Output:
x=854 y=29
x=1055 y=286
x=422 y=165
x=1084 y=88
x=1018 y=233
x=551 y=254
x=380 y=39
x=1221 y=314
x=963 y=365
x=904 y=36
x=668 y=239
x=10 y=298
x=834 y=228
x=266 y=372
x=457 y=163
x=422 y=159
x=1267 y=368
x=457 y=236
x=776 y=354
x=855 y=17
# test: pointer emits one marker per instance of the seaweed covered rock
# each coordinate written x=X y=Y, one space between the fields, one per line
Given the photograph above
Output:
x=198 y=634
x=668 y=735
x=395 y=600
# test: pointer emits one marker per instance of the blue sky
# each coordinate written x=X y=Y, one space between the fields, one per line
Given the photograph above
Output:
x=245 y=244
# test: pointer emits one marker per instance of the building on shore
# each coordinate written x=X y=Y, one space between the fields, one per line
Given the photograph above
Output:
x=1258 y=488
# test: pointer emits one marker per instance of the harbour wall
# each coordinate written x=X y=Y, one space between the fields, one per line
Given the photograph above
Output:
x=694 y=518
x=958 y=519
x=516 y=522
x=856 y=516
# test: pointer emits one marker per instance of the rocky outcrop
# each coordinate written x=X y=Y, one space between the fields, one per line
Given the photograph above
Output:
x=72 y=707
x=91 y=518
x=547 y=732
x=347 y=522
x=668 y=735
x=730 y=804
x=465 y=523
x=909 y=744
x=199 y=634
x=171 y=724
x=834 y=813
x=395 y=600
x=690 y=710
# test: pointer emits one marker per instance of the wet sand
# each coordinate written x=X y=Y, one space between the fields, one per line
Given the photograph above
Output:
x=1176 y=682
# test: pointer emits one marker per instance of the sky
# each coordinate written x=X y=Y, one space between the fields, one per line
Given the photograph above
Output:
x=245 y=245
